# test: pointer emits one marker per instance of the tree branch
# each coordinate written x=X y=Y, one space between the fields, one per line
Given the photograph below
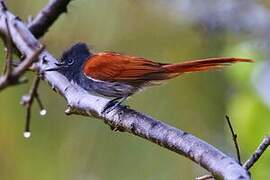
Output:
x=8 y=65
x=46 y=17
x=39 y=26
x=257 y=154
x=122 y=118
x=234 y=137
x=27 y=101
x=14 y=76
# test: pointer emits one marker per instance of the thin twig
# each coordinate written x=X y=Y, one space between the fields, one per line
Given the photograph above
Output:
x=28 y=100
x=234 y=136
x=40 y=104
x=257 y=154
x=205 y=177
x=42 y=111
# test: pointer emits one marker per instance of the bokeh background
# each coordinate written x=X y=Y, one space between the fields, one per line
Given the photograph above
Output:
x=76 y=147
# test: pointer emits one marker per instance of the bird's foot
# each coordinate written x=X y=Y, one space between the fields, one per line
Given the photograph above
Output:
x=112 y=104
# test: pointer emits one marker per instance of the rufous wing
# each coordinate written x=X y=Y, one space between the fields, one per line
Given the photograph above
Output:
x=116 y=67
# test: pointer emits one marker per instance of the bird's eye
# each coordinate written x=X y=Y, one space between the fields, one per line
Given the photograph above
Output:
x=70 y=62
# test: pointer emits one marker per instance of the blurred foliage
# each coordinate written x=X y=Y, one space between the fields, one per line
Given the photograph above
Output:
x=77 y=147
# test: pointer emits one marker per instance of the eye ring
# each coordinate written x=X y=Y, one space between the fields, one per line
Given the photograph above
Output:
x=70 y=62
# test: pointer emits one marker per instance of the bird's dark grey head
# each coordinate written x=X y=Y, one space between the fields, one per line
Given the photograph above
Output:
x=72 y=60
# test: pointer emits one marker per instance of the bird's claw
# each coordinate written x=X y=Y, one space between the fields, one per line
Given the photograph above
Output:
x=112 y=104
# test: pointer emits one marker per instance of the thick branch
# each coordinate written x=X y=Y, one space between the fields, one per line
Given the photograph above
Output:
x=122 y=118
x=46 y=17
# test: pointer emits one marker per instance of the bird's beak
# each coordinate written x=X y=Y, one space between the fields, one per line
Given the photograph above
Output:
x=59 y=66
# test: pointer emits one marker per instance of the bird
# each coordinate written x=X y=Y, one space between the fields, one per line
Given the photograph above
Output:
x=118 y=76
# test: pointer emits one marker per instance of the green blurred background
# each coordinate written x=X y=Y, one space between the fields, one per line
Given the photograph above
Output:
x=77 y=147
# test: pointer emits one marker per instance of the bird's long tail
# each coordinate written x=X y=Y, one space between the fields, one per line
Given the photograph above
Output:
x=173 y=70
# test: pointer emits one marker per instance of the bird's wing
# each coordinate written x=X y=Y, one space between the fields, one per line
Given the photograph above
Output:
x=110 y=66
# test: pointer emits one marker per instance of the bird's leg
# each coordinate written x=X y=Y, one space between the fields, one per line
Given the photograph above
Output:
x=112 y=104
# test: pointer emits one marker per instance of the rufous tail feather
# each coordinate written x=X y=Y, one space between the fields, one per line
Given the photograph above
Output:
x=201 y=65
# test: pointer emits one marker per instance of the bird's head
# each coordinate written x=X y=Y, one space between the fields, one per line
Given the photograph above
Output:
x=72 y=60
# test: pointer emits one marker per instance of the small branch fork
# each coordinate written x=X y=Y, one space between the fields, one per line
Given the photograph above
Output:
x=234 y=137
x=39 y=26
x=27 y=101
x=11 y=76
x=254 y=157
